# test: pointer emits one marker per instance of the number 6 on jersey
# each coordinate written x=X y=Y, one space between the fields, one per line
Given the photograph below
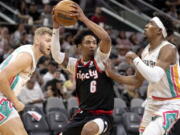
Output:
x=93 y=86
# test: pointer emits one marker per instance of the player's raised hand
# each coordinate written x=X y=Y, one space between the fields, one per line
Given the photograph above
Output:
x=130 y=56
x=77 y=12
x=55 y=24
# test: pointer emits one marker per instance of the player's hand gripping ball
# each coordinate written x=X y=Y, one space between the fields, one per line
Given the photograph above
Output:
x=62 y=11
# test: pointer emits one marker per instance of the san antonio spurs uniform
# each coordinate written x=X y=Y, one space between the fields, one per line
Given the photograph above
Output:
x=7 y=111
x=163 y=97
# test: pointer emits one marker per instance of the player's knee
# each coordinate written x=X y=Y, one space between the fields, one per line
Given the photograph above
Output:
x=90 y=128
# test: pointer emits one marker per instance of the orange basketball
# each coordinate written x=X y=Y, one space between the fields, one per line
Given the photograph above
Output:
x=61 y=13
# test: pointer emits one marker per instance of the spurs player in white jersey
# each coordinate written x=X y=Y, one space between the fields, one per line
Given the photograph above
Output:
x=160 y=67
x=15 y=71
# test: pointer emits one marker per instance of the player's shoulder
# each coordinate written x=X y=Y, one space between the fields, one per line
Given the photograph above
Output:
x=168 y=51
x=24 y=57
x=24 y=47
x=168 y=46
x=22 y=61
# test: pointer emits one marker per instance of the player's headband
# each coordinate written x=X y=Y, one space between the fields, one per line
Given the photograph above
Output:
x=160 y=25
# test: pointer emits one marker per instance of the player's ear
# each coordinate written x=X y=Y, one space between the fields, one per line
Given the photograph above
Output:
x=36 y=40
x=159 y=31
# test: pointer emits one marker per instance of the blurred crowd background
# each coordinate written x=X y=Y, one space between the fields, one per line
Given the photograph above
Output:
x=51 y=80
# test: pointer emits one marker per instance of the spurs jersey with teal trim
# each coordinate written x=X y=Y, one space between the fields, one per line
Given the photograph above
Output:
x=169 y=85
x=18 y=81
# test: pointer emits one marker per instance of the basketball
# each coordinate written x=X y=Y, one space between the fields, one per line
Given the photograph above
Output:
x=61 y=13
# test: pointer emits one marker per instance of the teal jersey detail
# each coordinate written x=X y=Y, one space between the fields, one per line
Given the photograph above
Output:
x=5 y=109
x=169 y=118
x=15 y=81
x=6 y=62
x=171 y=86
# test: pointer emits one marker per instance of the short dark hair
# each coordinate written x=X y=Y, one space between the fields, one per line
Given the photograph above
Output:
x=53 y=63
x=167 y=22
x=78 y=38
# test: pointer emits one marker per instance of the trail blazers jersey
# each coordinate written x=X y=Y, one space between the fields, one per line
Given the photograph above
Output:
x=94 y=89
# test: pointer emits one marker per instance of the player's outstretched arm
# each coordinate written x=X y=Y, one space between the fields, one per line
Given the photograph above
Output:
x=22 y=62
x=154 y=74
x=134 y=80
x=105 y=40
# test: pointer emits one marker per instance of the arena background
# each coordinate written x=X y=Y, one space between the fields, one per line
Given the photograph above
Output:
x=48 y=91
